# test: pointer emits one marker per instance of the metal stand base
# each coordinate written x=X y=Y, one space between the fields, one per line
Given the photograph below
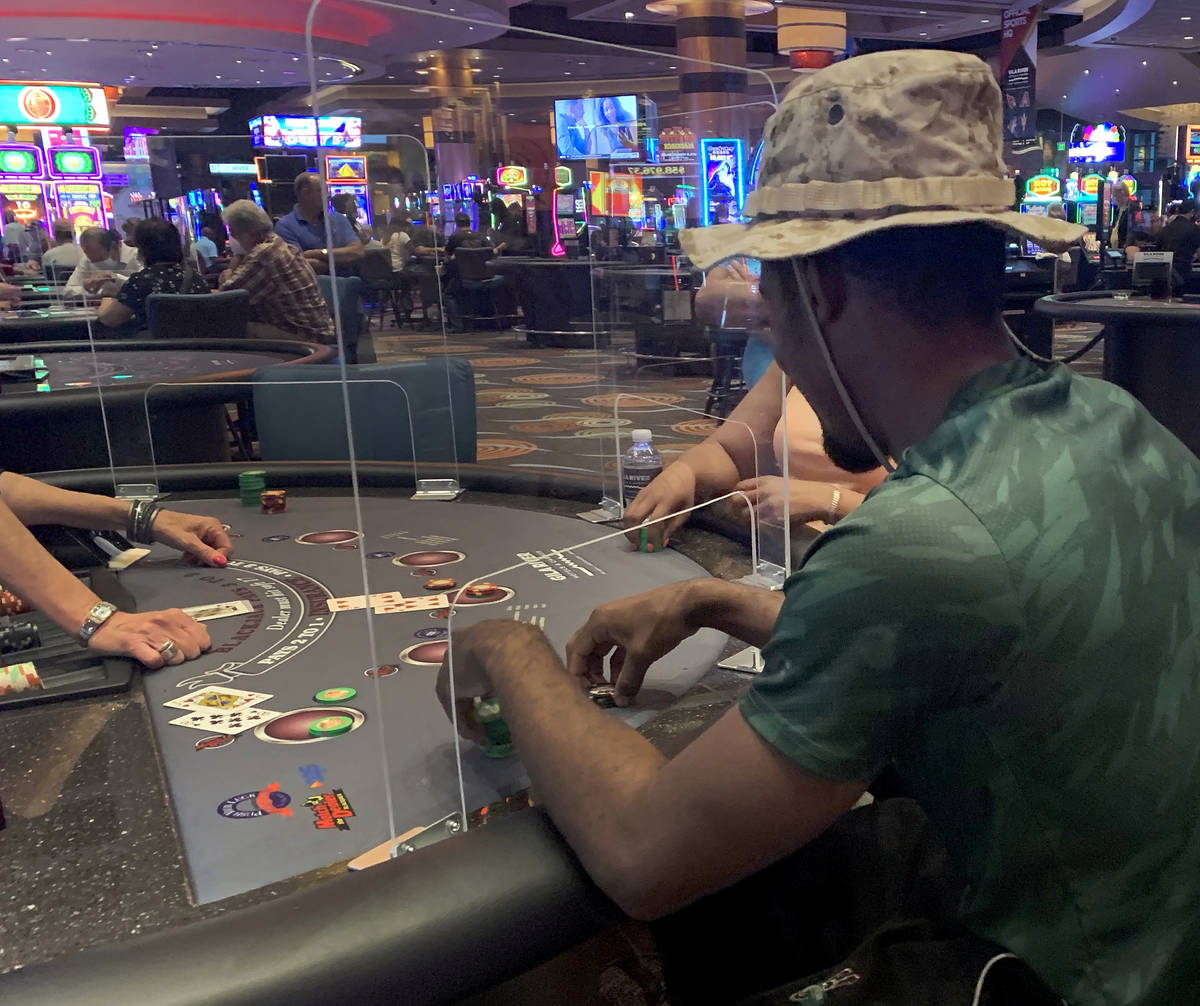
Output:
x=437 y=489
x=147 y=491
x=766 y=574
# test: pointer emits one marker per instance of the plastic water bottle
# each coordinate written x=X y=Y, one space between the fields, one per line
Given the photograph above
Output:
x=640 y=466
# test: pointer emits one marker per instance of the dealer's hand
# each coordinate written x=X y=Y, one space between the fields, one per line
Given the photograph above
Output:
x=476 y=653
x=141 y=635
x=673 y=490
x=641 y=628
x=809 y=501
x=201 y=539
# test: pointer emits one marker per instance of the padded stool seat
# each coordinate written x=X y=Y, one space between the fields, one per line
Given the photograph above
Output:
x=728 y=385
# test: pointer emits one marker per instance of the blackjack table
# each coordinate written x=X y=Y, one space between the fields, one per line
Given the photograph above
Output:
x=135 y=400
x=38 y=318
x=310 y=734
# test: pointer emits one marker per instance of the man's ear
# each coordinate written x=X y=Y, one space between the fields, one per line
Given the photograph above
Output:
x=827 y=287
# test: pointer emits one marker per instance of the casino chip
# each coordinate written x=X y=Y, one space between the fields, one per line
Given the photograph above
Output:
x=440 y=583
x=330 y=726
x=482 y=589
x=335 y=695
x=603 y=696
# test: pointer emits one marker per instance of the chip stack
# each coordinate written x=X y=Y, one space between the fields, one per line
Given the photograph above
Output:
x=499 y=740
x=250 y=485
x=273 y=500
x=19 y=678
x=18 y=636
x=10 y=604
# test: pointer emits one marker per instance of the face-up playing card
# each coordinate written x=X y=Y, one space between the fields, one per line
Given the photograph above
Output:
x=217 y=698
x=354 y=602
x=413 y=604
x=221 y=609
x=225 y=721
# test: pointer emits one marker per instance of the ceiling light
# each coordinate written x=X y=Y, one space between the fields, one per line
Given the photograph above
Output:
x=629 y=15
x=566 y=73
x=49 y=53
x=1064 y=97
x=1144 y=63
x=1188 y=38
x=17 y=38
x=423 y=73
x=672 y=67
x=985 y=20
x=1175 y=83
x=295 y=59
x=441 y=41
x=582 y=63
x=152 y=45
x=5 y=60
x=470 y=27
x=924 y=34
x=238 y=61
x=1186 y=17
x=151 y=54
x=1087 y=71
x=391 y=76
x=922 y=12
x=218 y=76
x=1116 y=90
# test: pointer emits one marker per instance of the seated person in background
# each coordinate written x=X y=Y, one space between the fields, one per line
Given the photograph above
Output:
x=1009 y=620
x=105 y=261
x=205 y=247
x=1182 y=237
x=65 y=254
x=399 y=242
x=507 y=234
x=14 y=238
x=30 y=572
x=164 y=270
x=285 y=301
x=304 y=228
x=729 y=458
x=347 y=206
x=424 y=240
x=128 y=226
x=463 y=236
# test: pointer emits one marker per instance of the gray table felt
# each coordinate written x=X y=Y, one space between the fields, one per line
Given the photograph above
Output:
x=403 y=762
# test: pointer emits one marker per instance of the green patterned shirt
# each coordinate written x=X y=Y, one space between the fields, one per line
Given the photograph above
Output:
x=1012 y=619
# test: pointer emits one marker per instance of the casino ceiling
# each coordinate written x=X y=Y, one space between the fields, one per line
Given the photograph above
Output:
x=1098 y=58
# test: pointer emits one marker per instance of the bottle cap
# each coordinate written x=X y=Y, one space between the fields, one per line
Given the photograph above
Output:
x=642 y=436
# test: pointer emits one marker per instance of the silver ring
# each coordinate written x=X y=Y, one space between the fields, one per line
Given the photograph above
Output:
x=167 y=650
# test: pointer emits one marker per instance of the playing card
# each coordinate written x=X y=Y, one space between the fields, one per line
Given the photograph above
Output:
x=225 y=721
x=413 y=604
x=216 y=698
x=221 y=609
x=354 y=602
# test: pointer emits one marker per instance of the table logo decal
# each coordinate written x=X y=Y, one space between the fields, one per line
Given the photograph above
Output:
x=313 y=776
x=330 y=810
x=256 y=803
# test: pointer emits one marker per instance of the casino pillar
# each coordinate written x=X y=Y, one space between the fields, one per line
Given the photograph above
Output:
x=454 y=133
x=713 y=32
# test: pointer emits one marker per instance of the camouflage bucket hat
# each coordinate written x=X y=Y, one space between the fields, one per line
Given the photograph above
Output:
x=893 y=139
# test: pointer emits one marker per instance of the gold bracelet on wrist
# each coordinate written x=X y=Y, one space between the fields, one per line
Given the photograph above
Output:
x=833 y=506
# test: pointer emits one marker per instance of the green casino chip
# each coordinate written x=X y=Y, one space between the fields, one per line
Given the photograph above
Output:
x=335 y=694
x=330 y=726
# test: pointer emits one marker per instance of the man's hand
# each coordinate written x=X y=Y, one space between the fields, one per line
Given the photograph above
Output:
x=95 y=283
x=673 y=490
x=140 y=636
x=641 y=628
x=476 y=653
x=201 y=539
x=9 y=294
x=809 y=501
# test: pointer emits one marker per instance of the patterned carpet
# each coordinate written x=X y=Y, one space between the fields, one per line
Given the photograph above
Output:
x=553 y=409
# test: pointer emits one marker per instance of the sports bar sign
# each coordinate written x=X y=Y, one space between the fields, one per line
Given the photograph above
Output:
x=1018 y=75
x=53 y=105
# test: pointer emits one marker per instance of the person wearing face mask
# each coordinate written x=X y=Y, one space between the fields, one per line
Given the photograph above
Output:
x=285 y=301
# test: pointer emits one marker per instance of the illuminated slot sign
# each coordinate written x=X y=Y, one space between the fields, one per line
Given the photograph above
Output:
x=231 y=168
x=346 y=169
x=1096 y=143
x=53 y=105
x=1090 y=185
x=563 y=177
x=1043 y=187
x=27 y=200
x=677 y=145
x=513 y=176
x=723 y=184
x=20 y=162
x=279 y=131
x=1192 y=148
x=70 y=163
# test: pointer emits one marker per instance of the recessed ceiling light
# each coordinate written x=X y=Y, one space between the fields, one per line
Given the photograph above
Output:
x=441 y=41
x=218 y=76
x=470 y=27
x=924 y=34
x=672 y=67
x=1145 y=63
x=1087 y=71
x=1064 y=97
x=985 y=20
x=629 y=15
x=1175 y=83
x=566 y=73
x=423 y=73
x=49 y=53
x=1186 y=17
x=922 y=12
x=391 y=76
x=151 y=54
x=499 y=68
x=152 y=45
x=1188 y=38
x=1116 y=90
x=238 y=61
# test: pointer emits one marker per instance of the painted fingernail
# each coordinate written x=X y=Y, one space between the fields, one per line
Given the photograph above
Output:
x=219 y=559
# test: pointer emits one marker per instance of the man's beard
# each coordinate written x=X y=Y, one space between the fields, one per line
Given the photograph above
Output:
x=850 y=454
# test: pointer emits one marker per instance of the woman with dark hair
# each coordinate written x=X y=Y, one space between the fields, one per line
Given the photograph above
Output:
x=613 y=133
x=164 y=271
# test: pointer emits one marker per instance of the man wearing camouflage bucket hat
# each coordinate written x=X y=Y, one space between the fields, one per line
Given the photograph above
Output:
x=1010 y=619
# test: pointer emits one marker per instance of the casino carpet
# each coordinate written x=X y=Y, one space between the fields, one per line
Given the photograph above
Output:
x=552 y=409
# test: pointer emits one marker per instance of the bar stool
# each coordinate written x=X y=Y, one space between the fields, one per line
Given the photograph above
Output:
x=728 y=385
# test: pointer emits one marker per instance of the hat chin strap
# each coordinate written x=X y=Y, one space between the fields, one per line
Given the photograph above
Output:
x=810 y=316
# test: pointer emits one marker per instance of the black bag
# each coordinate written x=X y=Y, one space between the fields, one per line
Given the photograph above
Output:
x=919 y=963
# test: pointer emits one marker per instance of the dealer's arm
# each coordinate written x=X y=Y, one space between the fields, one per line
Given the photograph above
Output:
x=654 y=833
x=29 y=571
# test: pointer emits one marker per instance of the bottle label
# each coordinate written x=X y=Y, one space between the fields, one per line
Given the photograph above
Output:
x=635 y=480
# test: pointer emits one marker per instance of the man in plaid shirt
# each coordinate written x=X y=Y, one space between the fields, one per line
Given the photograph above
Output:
x=285 y=301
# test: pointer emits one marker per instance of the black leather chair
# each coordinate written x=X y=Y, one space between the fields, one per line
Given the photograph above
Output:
x=382 y=287
x=347 y=301
x=473 y=293
x=198 y=315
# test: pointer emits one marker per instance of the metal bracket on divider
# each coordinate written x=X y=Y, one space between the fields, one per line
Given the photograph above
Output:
x=448 y=826
x=437 y=489
x=766 y=574
x=607 y=510
x=147 y=491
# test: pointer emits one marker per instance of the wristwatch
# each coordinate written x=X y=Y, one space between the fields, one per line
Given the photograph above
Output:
x=99 y=614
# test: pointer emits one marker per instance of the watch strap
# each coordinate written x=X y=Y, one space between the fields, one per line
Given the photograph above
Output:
x=96 y=617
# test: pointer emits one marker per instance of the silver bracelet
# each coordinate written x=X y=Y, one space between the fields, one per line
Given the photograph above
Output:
x=833 y=506
x=140 y=526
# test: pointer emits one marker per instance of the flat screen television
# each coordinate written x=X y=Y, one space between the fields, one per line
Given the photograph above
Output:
x=603 y=128
x=280 y=131
x=1096 y=143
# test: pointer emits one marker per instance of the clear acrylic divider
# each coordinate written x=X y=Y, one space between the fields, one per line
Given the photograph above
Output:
x=530 y=291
